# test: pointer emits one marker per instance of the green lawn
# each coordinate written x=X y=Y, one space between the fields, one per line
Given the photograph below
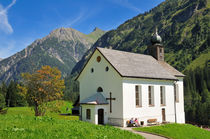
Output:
x=177 y=131
x=20 y=123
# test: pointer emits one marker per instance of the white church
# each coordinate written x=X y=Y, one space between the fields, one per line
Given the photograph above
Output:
x=116 y=86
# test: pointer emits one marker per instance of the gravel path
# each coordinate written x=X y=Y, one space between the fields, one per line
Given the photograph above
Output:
x=145 y=135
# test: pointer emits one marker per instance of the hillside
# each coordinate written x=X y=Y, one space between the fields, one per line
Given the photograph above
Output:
x=182 y=24
x=62 y=48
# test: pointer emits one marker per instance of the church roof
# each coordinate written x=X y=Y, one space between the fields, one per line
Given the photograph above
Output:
x=138 y=65
x=96 y=99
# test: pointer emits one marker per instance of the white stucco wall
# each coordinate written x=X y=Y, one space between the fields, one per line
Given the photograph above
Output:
x=94 y=113
x=180 y=114
x=110 y=82
x=147 y=112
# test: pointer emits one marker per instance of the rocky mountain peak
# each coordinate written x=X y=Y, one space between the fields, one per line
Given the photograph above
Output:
x=96 y=29
x=66 y=34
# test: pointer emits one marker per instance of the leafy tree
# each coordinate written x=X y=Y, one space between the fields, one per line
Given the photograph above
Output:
x=43 y=86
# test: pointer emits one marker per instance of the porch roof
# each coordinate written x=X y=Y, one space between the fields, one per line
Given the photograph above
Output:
x=96 y=99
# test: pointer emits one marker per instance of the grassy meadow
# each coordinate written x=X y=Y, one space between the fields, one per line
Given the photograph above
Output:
x=177 y=131
x=20 y=123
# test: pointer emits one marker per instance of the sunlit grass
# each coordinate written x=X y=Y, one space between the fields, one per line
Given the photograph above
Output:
x=20 y=123
x=177 y=131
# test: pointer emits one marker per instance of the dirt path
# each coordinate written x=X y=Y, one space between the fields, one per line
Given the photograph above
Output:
x=145 y=135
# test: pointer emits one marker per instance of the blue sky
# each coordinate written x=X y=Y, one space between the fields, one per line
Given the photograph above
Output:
x=23 y=21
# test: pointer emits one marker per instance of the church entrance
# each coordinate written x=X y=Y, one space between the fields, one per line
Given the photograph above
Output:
x=101 y=116
x=163 y=115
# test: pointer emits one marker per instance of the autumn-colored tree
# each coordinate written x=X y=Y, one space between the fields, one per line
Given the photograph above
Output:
x=43 y=86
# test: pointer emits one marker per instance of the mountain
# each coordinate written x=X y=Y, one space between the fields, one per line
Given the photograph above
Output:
x=1 y=59
x=182 y=24
x=62 y=48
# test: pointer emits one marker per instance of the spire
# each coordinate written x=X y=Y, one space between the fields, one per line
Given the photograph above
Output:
x=156 y=49
x=156 y=38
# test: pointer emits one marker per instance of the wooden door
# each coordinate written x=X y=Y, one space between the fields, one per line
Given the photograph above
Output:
x=101 y=116
x=163 y=115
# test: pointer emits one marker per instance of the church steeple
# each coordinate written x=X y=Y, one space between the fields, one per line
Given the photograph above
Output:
x=156 y=49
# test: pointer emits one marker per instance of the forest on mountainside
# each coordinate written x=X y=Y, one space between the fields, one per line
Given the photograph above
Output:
x=197 y=95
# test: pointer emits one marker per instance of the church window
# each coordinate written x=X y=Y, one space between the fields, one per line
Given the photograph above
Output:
x=88 y=114
x=162 y=95
x=99 y=89
x=98 y=59
x=92 y=70
x=176 y=93
x=138 y=96
x=107 y=68
x=151 y=95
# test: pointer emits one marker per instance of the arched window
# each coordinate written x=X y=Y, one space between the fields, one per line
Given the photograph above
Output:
x=92 y=70
x=99 y=89
x=107 y=68
x=88 y=114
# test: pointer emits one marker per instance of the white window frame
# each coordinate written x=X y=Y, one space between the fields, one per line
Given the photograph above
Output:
x=139 y=93
x=162 y=96
x=152 y=96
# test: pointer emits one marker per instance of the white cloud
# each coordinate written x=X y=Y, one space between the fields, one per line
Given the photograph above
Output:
x=76 y=20
x=126 y=4
x=4 y=24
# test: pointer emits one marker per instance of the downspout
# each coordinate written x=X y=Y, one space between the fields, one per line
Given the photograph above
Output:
x=175 y=101
x=80 y=112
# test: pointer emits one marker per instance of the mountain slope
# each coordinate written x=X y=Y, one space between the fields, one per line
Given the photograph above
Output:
x=62 y=48
x=183 y=25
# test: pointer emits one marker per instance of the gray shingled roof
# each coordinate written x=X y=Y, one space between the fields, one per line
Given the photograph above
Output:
x=139 y=65
x=96 y=99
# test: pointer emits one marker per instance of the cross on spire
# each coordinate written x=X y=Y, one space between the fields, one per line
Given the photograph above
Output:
x=110 y=99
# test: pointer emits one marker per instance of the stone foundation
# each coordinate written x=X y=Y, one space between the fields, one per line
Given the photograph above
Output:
x=115 y=121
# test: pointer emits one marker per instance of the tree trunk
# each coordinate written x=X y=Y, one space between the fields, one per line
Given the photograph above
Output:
x=37 y=110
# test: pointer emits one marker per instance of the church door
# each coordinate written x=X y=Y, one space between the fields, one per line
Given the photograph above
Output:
x=163 y=115
x=101 y=116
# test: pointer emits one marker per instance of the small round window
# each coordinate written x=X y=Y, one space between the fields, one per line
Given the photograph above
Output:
x=107 y=68
x=92 y=70
x=98 y=59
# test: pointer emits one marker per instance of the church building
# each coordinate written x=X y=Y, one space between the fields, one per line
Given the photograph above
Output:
x=116 y=86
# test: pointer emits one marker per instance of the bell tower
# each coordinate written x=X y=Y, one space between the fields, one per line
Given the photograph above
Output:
x=156 y=49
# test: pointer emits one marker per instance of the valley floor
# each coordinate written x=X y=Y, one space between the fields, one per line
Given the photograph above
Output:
x=19 y=123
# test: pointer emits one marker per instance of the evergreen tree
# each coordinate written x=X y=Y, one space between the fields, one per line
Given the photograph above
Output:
x=2 y=101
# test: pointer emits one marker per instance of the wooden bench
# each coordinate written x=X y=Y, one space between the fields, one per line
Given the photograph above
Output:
x=152 y=122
